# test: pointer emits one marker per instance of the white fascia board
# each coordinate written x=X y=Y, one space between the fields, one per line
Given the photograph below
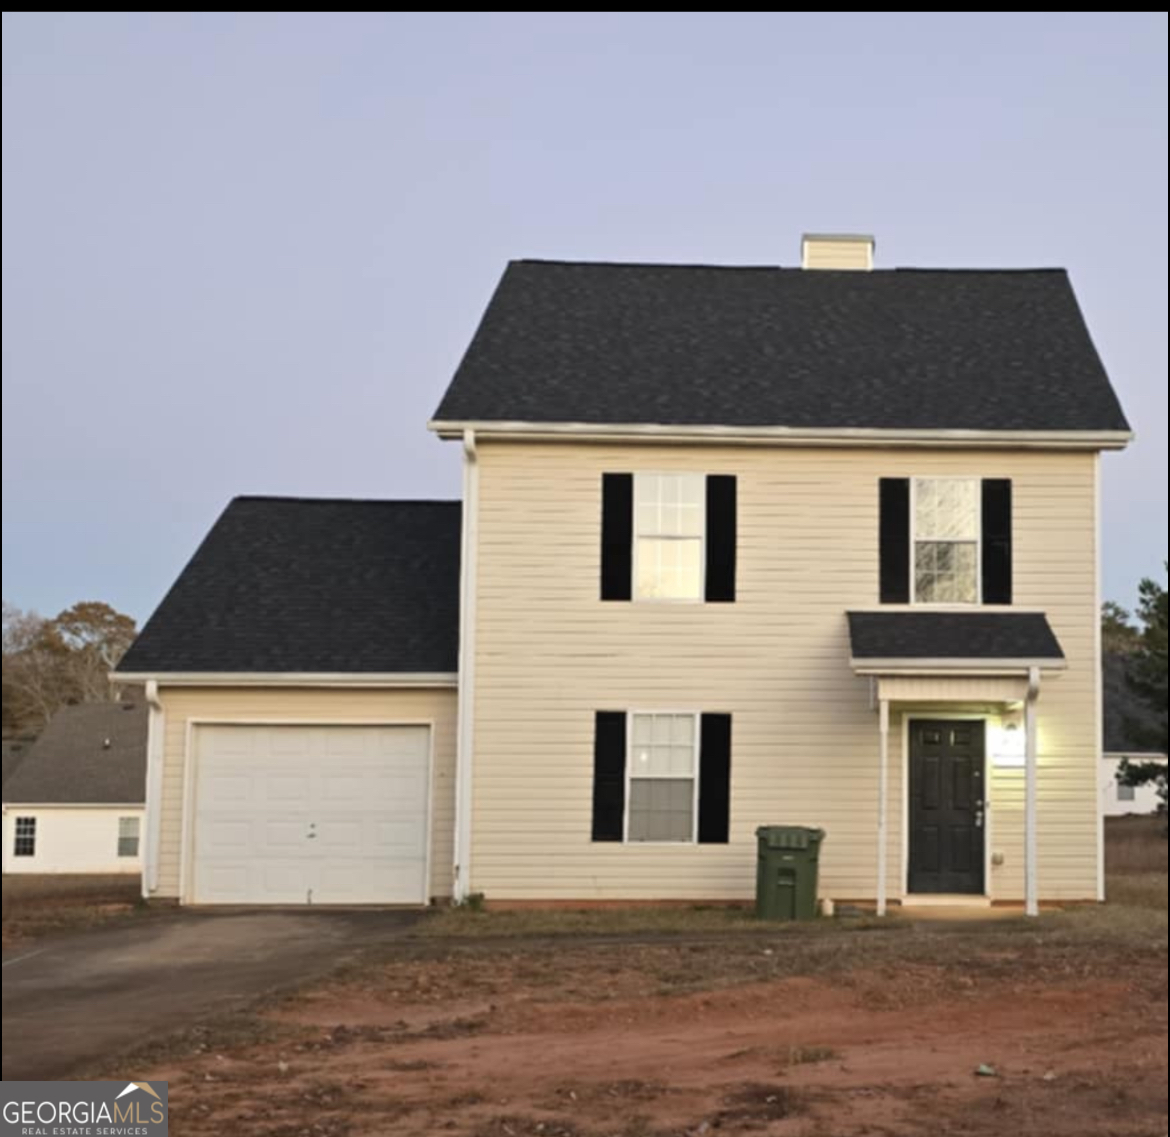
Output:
x=74 y=805
x=912 y=666
x=785 y=435
x=289 y=679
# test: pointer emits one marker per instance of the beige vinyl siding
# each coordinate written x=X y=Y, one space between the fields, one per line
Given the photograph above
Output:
x=317 y=706
x=549 y=654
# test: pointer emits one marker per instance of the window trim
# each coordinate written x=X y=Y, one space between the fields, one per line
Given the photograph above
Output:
x=137 y=837
x=17 y=836
x=635 y=596
x=697 y=717
x=977 y=480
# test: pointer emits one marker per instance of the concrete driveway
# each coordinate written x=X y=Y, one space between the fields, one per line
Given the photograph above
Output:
x=71 y=1002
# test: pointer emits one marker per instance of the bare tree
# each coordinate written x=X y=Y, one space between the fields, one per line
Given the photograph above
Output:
x=50 y=663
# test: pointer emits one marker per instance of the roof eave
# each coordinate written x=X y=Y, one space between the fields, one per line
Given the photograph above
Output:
x=911 y=665
x=784 y=435
x=290 y=678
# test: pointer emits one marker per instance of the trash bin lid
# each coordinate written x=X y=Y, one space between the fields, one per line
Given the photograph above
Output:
x=789 y=836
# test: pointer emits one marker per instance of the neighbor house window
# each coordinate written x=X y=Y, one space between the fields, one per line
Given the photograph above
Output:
x=128 y=836
x=1126 y=793
x=946 y=540
x=25 y=843
x=669 y=523
x=663 y=772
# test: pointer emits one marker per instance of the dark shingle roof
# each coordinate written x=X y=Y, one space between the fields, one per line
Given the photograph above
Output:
x=693 y=345
x=15 y=750
x=952 y=635
x=71 y=763
x=313 y=585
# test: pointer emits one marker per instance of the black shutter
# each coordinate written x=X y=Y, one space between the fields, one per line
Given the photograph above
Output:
x=714 y=779
x=617 y=535
x=609 y=775
x=721 y=537
x=894 y=540
x=997 y=541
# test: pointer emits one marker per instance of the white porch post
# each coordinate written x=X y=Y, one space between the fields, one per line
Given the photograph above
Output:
x=1031 y=795
x=883 y=800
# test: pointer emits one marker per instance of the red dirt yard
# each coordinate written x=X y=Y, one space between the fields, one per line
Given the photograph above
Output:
x=829 y=1031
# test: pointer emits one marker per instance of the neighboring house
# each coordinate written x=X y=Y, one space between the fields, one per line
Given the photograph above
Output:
x=76 y=802
x=738 y=546
x=1125 y=715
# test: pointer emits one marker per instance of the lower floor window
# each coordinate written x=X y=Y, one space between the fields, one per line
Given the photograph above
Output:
x=25 y=843
x=1126 y=793
x=128 y=836
x=663 y=770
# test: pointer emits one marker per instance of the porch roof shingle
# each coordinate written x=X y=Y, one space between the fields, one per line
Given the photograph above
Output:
x=976 y=636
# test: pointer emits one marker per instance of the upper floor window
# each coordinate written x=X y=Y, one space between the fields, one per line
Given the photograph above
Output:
x=946 y=528
x=669 y=527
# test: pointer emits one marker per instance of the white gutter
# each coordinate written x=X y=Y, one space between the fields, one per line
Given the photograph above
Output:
x=781 y=435
x=984 y=667
x=155 y=730
x=290 y=678
x=467 y=622
x=1031 y=795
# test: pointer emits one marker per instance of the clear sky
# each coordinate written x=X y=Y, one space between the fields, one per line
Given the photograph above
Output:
x=243 y=254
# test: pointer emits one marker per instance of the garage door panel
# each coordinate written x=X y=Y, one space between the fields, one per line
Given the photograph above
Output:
x=293 y=815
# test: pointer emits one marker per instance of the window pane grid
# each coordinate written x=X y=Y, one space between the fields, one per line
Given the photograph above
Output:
x=662 y=778
x=669 y=523
x=128 y=828
x=25 y=837
x=946 y=540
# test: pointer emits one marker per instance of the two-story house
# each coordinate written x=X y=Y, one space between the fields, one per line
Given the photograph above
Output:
x=737 y=546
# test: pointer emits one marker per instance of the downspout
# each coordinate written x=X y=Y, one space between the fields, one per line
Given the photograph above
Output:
x=1031 y=794
x=155 y=726
x=883 y=802
x=1098 y=676
x=466 y=699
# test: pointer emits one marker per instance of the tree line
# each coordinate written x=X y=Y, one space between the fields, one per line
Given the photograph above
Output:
x=1138 y=639
x=52 y=663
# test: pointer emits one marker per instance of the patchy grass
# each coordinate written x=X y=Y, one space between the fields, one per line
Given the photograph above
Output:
x=35 y=906
x=470 y=923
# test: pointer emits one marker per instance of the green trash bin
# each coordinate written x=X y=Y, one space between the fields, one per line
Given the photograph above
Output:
x=786 y=871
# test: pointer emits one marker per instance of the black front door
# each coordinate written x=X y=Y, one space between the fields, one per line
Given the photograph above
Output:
x=946 y=806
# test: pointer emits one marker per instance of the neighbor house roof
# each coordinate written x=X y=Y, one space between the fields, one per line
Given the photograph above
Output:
x=89 y=754
x=14 y=751
x=972 y=636
x=313 y=586
x=692 y=345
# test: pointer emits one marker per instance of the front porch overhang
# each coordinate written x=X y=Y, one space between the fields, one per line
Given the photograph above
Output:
x=955 y=659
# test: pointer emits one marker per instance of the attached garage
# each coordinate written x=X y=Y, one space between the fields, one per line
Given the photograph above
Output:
x=301 y=678
x=303 y=814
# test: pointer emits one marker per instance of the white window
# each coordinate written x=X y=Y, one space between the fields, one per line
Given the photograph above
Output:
x=946 y=540
x=1126 y=793
x=128 y=828
x=663 y=777
x=25 y=837
x=669 y=523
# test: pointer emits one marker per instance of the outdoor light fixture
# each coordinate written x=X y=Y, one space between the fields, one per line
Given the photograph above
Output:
x=1008 y=741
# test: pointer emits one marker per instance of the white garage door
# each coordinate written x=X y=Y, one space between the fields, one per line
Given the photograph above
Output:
x=310 y=815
